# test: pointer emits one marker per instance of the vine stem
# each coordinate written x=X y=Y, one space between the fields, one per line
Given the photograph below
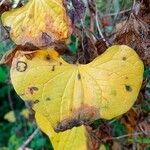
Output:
x=29 y=139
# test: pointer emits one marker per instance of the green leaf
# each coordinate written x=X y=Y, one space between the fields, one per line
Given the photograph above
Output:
x=141 y=140
x=14 y=142
x=3 y=75
x=146 y=71
x=118 y=128
x=145 y=105
x=107 y=146
x=73 y=45
x=4 y=148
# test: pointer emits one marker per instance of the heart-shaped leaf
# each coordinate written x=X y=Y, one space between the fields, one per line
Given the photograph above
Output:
x=70 y=95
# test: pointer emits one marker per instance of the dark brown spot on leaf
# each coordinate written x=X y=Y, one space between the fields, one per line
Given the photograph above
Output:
x=48 y=57
x=36 y=101
x=28 y=44
x=67 y=124
x=23 y=29
x=48 y=99
x=128 y=88
x=35 y=88
x=30 y=16
x=79 y=76
x=60 y=63
x=29 y=56
x=21 y=66
x=53 y=68
x=82 y=116
x=124 y=58
x=32 y=90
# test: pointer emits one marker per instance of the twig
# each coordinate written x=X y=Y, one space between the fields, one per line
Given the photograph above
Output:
x=29 y=139
x=136 y=7
x=1 y=3
x=10 y=100
x=108 y=6
x=123 y=136
x=134 y=2
x=110 y=122
x=116 y=4
x=98 y=25
x=142 y=130
x=114 y=14
x=91 y=14
x=116 y=138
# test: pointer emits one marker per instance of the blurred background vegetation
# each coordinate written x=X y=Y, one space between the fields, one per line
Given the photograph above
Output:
x=17 y=122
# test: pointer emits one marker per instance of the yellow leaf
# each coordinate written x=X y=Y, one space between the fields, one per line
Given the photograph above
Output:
x=74 y=139
x=102 y=147
x=10 y=116
x=38 y=23
x=69 y=95
x=25 y=113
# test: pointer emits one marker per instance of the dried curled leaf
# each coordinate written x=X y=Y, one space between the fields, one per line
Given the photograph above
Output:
x=70 y=95
x=135 y=33
x=72 y=139
x=38 y=22
x=5 y=5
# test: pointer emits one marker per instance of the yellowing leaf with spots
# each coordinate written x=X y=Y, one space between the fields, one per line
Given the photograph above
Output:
x=39 y=22
x=70 y=95
x=74 y=139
